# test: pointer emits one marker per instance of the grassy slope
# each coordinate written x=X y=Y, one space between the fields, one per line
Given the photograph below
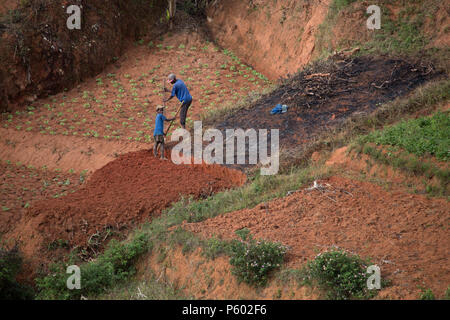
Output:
x=402 y=35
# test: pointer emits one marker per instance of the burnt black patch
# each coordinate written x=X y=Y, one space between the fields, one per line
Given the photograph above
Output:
x=326 y=93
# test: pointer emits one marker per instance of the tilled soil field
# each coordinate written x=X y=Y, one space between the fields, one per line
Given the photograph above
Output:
x=405 y=234
x=119 y=103
x=22 y=185
x=78 y=131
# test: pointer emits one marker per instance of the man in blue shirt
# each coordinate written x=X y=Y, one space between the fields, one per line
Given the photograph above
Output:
x=158 y=133
x=179 y=90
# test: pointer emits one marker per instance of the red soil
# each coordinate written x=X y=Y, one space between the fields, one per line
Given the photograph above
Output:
x=7 y=5
x=129 y=190
x=284 y=47
x=22 y=186
x=119 y=103
x=406 y=235
x=76 y=154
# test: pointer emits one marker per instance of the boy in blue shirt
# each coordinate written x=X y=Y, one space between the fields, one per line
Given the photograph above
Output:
x=158 y=133
x=181 y=91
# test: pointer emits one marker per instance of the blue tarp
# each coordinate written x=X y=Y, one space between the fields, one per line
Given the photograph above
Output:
x=279 y=109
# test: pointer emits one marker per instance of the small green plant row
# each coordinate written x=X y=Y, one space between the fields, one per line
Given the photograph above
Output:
x=427 y=294
x=408 y=163
x=156 y=233
x=43 y=168
x=421 y=136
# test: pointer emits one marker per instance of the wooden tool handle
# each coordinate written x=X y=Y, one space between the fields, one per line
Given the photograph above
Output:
x=168 y=128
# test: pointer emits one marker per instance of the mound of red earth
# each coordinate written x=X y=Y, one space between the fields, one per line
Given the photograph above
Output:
x=129 y=190
x=405 y=234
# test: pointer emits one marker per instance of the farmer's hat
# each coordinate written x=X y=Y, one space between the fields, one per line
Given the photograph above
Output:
x=171 y=77
x=159 y=107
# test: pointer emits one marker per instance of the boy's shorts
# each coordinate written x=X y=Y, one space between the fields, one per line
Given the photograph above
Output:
x=159 y=138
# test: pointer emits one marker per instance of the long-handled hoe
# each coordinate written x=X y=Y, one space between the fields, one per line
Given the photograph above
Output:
x=169 y=145
x=170 y=124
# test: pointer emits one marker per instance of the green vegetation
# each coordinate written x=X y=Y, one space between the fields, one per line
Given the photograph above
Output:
x=109 y=270
x=10 y=265
x=402 y=35
x=422 y=136
x=340 y=274
x=341 y=4
x=152 y=288
x=253 y=260
x=114 y=265
x=408 y=144
x=427 y=295
x=325 y=34
x=410 y=164
x=401 y=32
x=259 y=189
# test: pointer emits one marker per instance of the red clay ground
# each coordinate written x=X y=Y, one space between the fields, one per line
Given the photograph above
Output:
x=130 y=190
x=22 y=186
x=7 y=5
x=113 y=113
x=407 y=235
x=74 y=154
x=120 y=102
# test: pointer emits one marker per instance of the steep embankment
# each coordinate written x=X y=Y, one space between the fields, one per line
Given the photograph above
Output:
x=39 y=55
x=279 y=37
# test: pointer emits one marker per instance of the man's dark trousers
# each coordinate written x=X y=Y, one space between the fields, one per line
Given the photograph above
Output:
x=183 y=113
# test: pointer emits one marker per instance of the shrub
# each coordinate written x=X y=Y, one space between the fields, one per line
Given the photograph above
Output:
x=10 y=265
x=427 y=295
x=214 y=248
x=253 y=260
x=339 y=274
x=426 y=135
x=116 y=264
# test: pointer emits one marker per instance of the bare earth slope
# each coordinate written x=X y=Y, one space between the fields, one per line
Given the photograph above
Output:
x=406 y=235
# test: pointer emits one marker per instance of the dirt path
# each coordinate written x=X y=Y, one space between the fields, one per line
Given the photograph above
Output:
x=407 y=235
x=59 y=152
